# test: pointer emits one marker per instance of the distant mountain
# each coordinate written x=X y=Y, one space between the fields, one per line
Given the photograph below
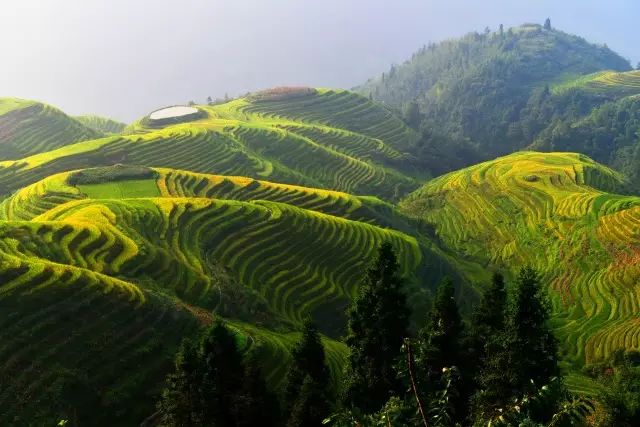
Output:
x=475 y=97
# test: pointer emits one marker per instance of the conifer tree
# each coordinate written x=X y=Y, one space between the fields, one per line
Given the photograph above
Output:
x=440 y=338
x=440 y=348
x=311 y=407
x=378 y=323
x=528 y=316
x=255 y=405
x=308 y=364
x=488 y=317
x=222 y=375
x=524 y=355
x=180 y=402
x=212 y=387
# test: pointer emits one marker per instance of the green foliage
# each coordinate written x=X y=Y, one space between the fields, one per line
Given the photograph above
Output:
x=180 y=405
x=521 y=355
x=211 y=385
x=311 y=407
x=547 y=406
x=378 y=322
x=476 y=93
x=306 y=397
x=609 y=134
x=441 y=337
x=534 y=345
x=620 y=397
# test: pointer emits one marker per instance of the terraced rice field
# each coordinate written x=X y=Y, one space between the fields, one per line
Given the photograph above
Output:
x=558 y=213
x=607 y=82
x=334 y=140
x=131 y=266
x=28 y=127
x=101 y=124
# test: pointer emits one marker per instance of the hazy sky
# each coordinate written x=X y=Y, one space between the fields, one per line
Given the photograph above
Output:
x=123 y=58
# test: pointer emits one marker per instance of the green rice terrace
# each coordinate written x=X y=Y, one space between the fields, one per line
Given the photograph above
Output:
x=152 y=253
x=558 y=212
x=116 y=243
x=101 y=124
x=610 y=83
x=323 y=138
x=28 y=127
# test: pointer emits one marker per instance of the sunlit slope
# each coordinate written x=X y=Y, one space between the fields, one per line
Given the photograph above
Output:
x=609 y=83
x=118 y=264
x=354 y=146
x=134 y=182
x=29 y=127
x=173 y=228
x=101 y=124
x=552 y=211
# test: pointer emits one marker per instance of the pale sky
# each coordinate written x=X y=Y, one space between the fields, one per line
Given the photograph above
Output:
x=124 y=58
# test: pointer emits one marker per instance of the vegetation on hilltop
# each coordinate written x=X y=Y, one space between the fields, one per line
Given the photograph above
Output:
x=478 y=97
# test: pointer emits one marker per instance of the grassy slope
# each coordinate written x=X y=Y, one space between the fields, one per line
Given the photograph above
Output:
x=309 y=143
x=28 y=127
x=557 y=212
x=148 y=266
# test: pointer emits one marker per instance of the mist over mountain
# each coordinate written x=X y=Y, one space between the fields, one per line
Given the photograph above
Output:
x=122 y=58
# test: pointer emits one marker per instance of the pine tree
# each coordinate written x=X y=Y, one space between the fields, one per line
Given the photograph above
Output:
x=308 y=360
x=547 y=24
x=440 y=348
x=180 y=403
x=311 y=407
x=211 y=386
x=255 y=405
x=527 y=321
x=440 y=338
x=524 y=355
x=411 y=114
x=222 y=375
x=378 y=323
x=488 y=317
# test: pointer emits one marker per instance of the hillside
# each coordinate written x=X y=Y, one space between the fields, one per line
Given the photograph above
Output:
x=136 y=258
x=478 y=97
x=605 y=128
x=103 y=125
x=322 y=138
x=559 y=213
x=29 y=127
